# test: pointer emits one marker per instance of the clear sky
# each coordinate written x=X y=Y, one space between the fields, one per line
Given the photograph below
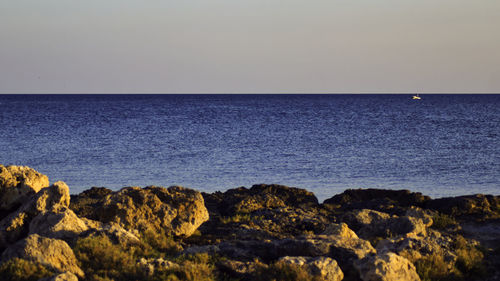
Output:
x=249 y=46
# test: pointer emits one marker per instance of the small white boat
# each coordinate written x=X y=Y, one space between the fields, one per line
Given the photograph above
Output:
x=416 y=97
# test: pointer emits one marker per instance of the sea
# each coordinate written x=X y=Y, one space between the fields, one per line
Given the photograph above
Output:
x=441 y=145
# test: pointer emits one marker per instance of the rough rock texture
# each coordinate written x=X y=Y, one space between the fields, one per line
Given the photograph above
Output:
x=325 y=268
x=62 y=225
x=66 y=276
x=369 y=223
x=243 y=200
x=176 y=210
x=53 y=253
x=52 y=199
x=17 y=183
x=341 y=230
x=477 y=206
x=386 y=267
x=417 y=247
x=389 y=201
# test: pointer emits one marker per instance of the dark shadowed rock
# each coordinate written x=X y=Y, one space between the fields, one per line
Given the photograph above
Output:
x=477 y=206
x=390 y=201
x=85 y=203
x=243 y=200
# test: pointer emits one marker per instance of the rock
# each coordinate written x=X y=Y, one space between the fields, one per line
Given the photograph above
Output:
x=477 y=206
x=17 y=183
x=15 y=226
x=62 y=225
x=53 y=253
x=370 y=224
x=149 y=266
x=358 y=219
x=85 y=203
x=66 y=276
x=177 y=210
x=389 y=201
x=386 y=267
x=323 y=267
x=258 y=197
x=341 y=230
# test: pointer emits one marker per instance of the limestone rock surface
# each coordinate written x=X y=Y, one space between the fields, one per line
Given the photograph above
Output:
x=53 y=253
x=386 y=267
x=17 y=183
x=323 y=267
x=176 y=210
x=52 y=199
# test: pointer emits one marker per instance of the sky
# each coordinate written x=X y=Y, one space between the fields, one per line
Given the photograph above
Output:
x=249 y=46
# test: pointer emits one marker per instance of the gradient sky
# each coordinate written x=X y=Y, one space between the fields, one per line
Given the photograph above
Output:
x=249 y=46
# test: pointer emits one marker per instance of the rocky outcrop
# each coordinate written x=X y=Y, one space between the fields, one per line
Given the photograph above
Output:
x=18 y=183
x=478 y=207
x=323 y=267
x=386 y=267
x=389 y=201
x=53 y=253
x=176 y=210
x=258 y=197
x=50 y=200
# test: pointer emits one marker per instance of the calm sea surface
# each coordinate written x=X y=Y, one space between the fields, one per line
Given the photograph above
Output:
x=442 y=145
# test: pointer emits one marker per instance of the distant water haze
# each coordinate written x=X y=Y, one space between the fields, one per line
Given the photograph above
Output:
x=442 y=145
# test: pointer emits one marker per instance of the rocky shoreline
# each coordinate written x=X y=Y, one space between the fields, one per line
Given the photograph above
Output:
x=266 y=232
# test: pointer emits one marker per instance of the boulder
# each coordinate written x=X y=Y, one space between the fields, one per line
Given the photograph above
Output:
x=386 y=267
x=53 y=253
x=258 y=197
x=323 y=267
x=66 y=276
x=176 y=210
x=341 y=230
x=370 y=224
x=479 y=206
x=17 y=183
x=15 y=226
x=389 y=201
x=62 y=225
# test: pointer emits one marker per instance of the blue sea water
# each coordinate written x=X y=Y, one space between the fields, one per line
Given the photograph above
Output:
x=442 y=145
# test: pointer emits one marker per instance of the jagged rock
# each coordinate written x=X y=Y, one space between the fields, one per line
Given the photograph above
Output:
x=53 y=253
x=369 y=223
x=258 y=197
x=62 y=225
x=15 y=226
x=386 y=267
x=85 y=203
x=176 y=210
x=325 y=268
x=477 y=206
x=66 y=276
x=416 y=247
x=341 y=230
x=358 y=219
x=17 y=183
x=389 y=201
